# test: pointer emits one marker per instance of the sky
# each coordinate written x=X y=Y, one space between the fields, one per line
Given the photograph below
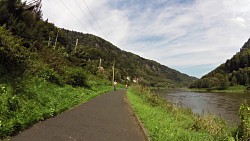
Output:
x=191 y=36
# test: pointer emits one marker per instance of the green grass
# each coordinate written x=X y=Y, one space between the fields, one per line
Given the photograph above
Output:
x=167 y=122
x=38 y=100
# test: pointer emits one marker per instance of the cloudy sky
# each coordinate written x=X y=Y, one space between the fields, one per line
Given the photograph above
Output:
x=191 y=36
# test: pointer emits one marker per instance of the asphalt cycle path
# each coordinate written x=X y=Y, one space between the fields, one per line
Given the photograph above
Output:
x=105 y=118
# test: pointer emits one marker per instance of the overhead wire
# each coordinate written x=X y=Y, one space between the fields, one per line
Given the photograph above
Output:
x=91 y=14
x=86 y=16
x=73 y=15
x=94 y=18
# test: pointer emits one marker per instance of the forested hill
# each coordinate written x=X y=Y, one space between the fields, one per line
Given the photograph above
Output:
x=91 y=49
x=235 y=71
x=30 y=45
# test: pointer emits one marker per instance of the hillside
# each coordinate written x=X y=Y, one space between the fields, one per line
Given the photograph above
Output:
x=38 y=42
x=235 y=71
x=91 y=49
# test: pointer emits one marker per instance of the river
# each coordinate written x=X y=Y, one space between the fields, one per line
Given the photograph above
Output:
x=225 y=105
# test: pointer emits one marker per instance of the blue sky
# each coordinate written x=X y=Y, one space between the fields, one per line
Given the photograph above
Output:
x=191 y=36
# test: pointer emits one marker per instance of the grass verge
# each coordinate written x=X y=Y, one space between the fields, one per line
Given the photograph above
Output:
x=167 y=122
x=38 y=99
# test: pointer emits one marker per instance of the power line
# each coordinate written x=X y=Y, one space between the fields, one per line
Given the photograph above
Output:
x=94 y=18
x=86 y=16
x=73 y=14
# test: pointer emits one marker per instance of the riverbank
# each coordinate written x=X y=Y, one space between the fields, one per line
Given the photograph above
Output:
x=231 y=89
x=166 y=121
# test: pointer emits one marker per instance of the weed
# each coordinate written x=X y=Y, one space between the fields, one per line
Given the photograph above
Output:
x=243 y=131
x=168 y=122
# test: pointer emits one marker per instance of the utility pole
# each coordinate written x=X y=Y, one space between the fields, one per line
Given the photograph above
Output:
x=49 y=42
x=100 y=68
x=100 y=64
x=113 y=72
x=56 y=38
x=76 y=44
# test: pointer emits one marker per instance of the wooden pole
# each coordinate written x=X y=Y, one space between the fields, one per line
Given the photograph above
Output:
x=49 y=42
x=76 y=44
x=56 y=38
x=113 y=72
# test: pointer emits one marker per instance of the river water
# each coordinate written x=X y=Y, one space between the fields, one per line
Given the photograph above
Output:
x=225 y=105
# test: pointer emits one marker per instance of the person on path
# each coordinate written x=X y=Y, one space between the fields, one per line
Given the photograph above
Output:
x=115 y=83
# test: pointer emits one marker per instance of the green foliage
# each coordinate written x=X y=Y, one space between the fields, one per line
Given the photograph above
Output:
x=166 y=121
x=39 y=100
x=12 y=53
x=76 y=77
x=50 y=75
x=243 y=132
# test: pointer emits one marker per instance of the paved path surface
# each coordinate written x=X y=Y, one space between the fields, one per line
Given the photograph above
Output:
x=105 y=118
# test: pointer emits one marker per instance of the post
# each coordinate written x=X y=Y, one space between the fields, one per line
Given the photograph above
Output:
x=56 y=38
x=76 y=44
x=100 y=64
x=113 y=72
x=49 y=42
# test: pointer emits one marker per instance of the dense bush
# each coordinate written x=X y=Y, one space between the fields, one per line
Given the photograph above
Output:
x=12 y=53
x=51 y=76
x=76 y=77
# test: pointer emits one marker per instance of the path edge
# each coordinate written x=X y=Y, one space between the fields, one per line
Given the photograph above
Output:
x=141 y=125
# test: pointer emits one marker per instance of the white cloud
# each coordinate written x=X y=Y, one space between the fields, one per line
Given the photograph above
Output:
x=239 y=21
x=174 y=34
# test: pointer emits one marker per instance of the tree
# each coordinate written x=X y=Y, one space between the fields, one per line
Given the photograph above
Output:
x=234 y=81
x=4 y=16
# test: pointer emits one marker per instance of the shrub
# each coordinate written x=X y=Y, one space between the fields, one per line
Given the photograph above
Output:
x=11 y=51
x=210 y=124
x=51 y=76
x=76 y=77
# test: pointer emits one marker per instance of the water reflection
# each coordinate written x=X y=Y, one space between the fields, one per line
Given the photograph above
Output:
x=225 y=105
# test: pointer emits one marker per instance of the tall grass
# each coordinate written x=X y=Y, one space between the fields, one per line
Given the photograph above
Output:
x=243 y=131
x=168 y=122
x=38 y=100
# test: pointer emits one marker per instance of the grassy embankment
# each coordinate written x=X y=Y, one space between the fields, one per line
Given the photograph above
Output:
x=39 y=99
x=167 y=122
